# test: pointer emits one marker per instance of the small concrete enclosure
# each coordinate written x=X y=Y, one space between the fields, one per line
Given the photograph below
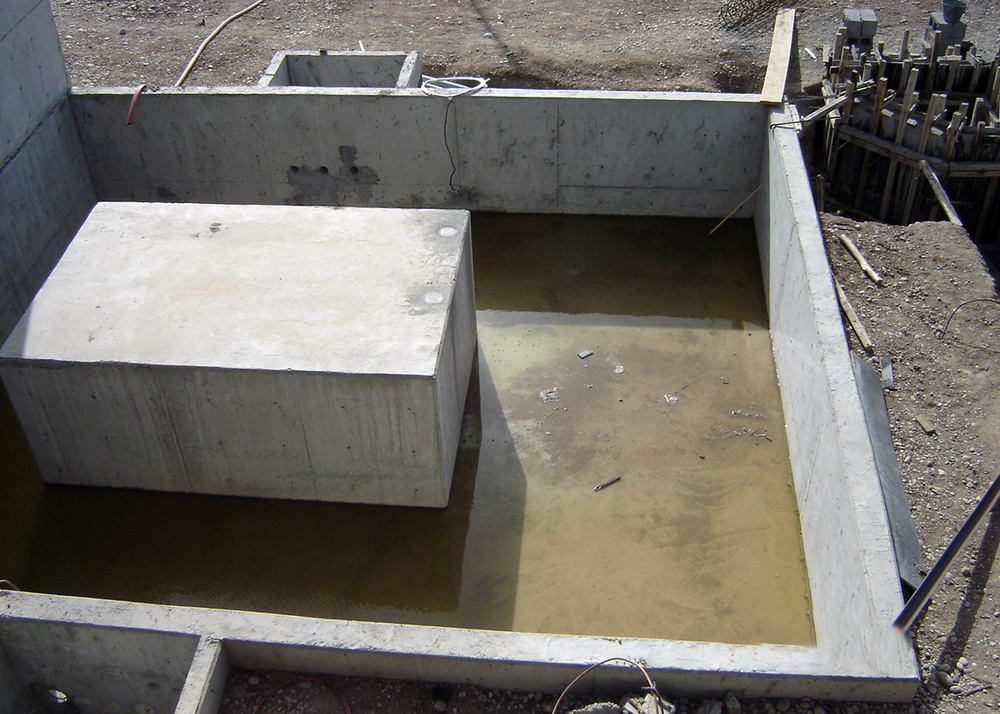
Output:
x=651 y=153
x=292 y=352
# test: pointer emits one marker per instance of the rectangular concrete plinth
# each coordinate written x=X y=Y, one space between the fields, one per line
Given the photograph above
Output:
x=288 y=352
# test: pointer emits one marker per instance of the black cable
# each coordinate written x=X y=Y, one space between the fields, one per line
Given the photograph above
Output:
x=454 y=168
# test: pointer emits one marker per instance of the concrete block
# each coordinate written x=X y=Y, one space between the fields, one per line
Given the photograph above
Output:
x=309 y=353
x=951 y=32
x=343 y=69
x=32 y=74
x=852 y=21
x=869 y=23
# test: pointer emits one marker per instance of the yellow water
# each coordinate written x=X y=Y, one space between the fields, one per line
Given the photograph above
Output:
x=698 y=540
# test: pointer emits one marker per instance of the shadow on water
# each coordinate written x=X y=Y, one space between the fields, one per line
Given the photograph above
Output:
x=317 y=559
x=614 y=266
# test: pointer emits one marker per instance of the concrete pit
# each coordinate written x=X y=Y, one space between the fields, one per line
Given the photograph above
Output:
x=516 y=151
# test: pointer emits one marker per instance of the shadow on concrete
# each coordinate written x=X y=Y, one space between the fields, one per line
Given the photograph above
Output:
x=379 y=563
x=968 y=612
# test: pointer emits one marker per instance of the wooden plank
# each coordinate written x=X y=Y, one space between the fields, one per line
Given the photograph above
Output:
x=936 y=107
x=865 y=265
x=984 y=207
x=951 y=169
x=866 y=162
x=909 y=99
x=781 y=54
x=940 y=193
x=925 y=424
x=845 y=120
x=852 y=317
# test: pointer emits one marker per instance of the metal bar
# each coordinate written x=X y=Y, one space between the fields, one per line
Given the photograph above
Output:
x=915 y=605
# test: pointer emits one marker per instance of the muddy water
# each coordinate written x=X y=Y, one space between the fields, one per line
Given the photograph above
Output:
x=697 y=540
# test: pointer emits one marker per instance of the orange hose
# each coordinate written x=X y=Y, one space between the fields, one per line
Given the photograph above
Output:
x=131 y=107
x=215 y=32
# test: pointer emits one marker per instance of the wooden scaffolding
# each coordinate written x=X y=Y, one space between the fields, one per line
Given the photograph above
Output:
x=910 y=135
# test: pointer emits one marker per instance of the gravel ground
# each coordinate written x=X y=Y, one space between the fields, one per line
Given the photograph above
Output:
x=931 y=270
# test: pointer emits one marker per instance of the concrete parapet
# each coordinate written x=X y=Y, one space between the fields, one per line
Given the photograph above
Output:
x=535 y=151
x=849 y=553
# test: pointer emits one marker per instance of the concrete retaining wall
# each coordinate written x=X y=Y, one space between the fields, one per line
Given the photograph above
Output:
x=102 y=669
x=852 y=570
x=529 y=151
x=45 y=188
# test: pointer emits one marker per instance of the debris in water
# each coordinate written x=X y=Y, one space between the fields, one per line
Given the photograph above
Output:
x=619 y=368
x=550 y=395
x=585 y=354
x=671 y=398
x=607 y=483
x=724 y=380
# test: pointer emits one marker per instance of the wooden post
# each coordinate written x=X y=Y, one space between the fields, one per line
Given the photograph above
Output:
x=883 y=85
x=991 y=190
x=909 y=99
x=845 y=118
x=932 y=66
x=936 y=105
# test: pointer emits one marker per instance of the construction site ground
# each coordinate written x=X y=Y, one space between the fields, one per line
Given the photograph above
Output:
x=944 y=348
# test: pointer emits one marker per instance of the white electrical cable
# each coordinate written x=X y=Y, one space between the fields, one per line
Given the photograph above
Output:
x=451 y=87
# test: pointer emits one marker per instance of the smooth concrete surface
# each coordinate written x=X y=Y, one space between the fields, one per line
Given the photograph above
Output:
x=102 y=669
x=854 y=583
x=45 y=187
x=519 y=661
x=289 y=352
x=343 y=69
x=14 y=696
x=33 y=77
x=206 y=680
x=529 y=151
x=45 y=194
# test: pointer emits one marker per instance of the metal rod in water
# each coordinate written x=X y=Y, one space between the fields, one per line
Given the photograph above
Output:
x=915 y=605
x=607 y=483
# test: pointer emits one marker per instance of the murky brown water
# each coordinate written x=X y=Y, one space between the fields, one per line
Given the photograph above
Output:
x=698 y=540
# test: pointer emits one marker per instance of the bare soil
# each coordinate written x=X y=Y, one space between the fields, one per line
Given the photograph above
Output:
x=944 y=347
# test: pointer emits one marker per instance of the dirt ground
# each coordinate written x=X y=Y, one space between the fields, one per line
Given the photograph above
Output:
x=944 y=348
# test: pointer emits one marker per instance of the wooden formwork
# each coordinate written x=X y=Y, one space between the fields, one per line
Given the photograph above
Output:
x=915 y=134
